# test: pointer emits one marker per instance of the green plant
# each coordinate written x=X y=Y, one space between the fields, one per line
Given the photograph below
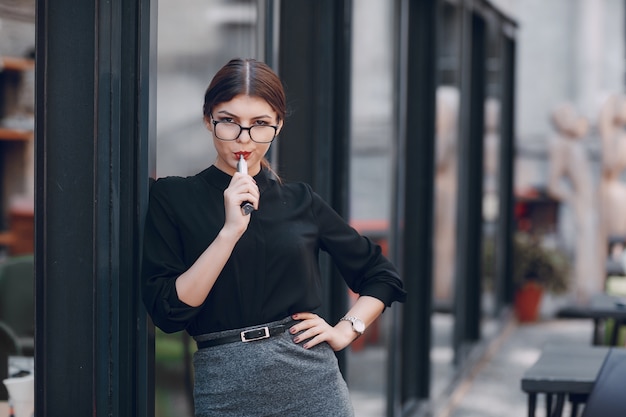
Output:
x=534 y=262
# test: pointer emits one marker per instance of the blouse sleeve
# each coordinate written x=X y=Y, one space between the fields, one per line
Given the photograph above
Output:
x=163 y=262
x=360 y=261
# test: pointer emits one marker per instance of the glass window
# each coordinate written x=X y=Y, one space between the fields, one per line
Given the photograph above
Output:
x=372 y=146
x=445 y=203
x=195 y=39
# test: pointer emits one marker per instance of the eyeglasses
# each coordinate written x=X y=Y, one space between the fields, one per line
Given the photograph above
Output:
x=228 y=131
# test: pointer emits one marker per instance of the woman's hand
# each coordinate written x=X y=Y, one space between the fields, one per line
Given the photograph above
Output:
x=242 y=188
x=316 y=329
x=313 y=327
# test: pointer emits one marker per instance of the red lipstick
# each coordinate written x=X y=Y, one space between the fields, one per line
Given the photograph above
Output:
x=241 y=154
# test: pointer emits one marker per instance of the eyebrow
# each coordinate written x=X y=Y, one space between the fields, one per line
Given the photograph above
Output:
x=227 y=113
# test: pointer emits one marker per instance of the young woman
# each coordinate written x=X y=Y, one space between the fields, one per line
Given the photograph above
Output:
x=246 y=285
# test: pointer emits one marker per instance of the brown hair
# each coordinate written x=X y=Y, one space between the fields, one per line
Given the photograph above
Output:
x=249 y=77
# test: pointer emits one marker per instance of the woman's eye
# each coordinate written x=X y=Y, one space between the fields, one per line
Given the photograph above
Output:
x=226 y=120
x=261 y=123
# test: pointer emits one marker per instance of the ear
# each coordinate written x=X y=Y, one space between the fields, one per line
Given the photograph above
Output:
x=280 y=127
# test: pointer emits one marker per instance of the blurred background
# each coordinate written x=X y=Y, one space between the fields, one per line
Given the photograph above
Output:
x=567 y=167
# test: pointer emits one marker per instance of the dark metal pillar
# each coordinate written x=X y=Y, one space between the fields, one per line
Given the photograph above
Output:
x=314 y=145
x=94 y=122
x=468 y=285
x=504 y=259
x=414 y=218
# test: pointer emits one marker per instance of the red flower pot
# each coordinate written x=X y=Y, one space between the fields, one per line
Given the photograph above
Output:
x=527 y=300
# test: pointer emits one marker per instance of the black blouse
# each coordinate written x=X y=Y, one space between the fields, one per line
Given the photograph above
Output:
x=273 y=271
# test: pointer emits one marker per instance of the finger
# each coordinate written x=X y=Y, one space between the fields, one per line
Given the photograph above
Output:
x=314 y=341
x=244 y=179
x=240 y=181
x=242 y=190
x=249 y=194
x=306 y=321
x=306 y=334
x=246 y=192
x=305 y=315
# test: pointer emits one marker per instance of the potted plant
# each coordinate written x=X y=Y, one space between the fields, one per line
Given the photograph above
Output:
x=536 y=268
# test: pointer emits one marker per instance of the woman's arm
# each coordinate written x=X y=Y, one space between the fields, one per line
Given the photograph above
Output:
x=194 y=285
x=366 y=271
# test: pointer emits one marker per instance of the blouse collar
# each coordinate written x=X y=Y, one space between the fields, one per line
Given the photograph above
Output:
x=221 y=180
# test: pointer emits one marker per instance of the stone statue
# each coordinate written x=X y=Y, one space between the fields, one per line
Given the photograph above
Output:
x=445 y=192
x=612 y=190
x=569 y=160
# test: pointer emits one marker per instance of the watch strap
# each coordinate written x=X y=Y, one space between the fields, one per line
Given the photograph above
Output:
x=352 y=320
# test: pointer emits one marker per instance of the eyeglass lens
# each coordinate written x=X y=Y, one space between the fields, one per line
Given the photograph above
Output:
x=231 y=131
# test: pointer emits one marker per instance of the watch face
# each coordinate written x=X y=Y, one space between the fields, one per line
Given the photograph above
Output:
x=358 y=326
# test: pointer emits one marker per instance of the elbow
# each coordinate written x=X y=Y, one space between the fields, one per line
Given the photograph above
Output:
x=168 y=326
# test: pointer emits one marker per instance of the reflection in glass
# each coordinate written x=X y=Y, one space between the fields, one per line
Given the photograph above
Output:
x=372 y=143
x=446 y=128
x=445 y=195
x=491 y=163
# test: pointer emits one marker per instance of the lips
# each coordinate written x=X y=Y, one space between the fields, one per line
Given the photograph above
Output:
x=245 y=154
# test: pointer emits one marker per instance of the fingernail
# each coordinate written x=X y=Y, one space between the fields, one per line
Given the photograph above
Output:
x=296 y=339
x=292 y=330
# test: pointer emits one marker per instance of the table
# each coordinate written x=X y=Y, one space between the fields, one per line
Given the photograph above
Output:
x=601 y=307
x=563 y=370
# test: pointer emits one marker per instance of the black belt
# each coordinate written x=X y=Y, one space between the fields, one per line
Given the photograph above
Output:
x=259 y=333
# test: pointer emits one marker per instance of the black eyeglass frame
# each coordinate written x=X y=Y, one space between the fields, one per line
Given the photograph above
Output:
x=241 y=129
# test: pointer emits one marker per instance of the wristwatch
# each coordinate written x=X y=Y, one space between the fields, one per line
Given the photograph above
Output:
x=357 y=324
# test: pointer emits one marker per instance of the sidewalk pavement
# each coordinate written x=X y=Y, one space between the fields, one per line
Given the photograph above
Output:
x=491 y=387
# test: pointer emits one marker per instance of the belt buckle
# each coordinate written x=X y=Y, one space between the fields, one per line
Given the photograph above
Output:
x=255 y=334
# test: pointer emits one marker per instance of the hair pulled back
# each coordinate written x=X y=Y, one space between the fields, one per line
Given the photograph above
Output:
x=249 y=77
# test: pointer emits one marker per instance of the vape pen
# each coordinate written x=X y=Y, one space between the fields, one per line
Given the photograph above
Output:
x=242 y=166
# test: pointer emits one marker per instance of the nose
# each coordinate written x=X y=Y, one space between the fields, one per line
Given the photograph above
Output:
x=246 y=137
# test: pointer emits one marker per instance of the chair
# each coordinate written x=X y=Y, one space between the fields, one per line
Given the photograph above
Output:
x=9 y=346
x=607 y=397
x=17 y=299
x=614 y=329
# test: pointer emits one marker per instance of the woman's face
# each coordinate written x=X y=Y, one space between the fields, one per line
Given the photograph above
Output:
x=246 y=111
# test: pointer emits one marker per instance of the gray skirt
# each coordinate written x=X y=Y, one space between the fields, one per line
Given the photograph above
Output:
x=269 y=377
